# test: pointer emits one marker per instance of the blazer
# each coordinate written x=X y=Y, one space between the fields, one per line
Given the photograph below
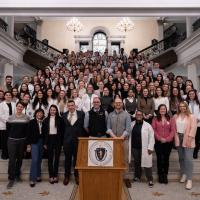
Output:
x=166 y=130
x=60 y=130
x=146 y=107
x=190 y=130
x=72 y=132
x=34 y=132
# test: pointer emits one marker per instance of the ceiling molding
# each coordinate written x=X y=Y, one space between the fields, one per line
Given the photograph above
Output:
x=100 y=12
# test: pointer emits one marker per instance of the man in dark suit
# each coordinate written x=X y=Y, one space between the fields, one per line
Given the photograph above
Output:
x=74 y=123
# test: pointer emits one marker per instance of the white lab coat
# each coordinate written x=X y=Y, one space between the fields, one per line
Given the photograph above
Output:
x=29 y=111
x=4 y=113
x=196 y=112
x=148 y=142
x=87 y=102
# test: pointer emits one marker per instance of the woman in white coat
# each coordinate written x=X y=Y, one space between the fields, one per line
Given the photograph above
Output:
x=142 y=144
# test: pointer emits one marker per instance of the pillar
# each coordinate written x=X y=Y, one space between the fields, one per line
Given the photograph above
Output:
x=11 y=22
x=160 y=31
x=188 y=26
x=8 y=69
x=192 y=74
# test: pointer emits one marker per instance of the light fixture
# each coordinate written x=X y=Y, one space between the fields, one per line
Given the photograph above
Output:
x=125 y=25
x=74 y=25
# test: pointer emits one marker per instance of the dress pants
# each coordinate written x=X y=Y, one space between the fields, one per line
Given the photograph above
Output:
x=163 y=151
x=197 y=141
x=16 y=154
x=54 y=149
x=137 y=155
x=36 y=154
x=70 y=151
x=4 y=143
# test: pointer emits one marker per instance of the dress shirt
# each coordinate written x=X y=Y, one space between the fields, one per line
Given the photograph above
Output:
x=72 y=119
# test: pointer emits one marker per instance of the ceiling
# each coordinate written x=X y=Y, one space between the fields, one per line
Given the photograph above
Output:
x=99 y=4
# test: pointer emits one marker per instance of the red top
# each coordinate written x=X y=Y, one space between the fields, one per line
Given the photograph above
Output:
x=164 y=130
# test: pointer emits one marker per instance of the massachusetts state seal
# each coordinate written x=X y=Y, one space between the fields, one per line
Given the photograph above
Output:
x=100 y=153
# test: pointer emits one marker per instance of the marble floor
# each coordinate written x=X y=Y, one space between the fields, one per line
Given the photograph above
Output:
x=171 y=191
x=139 y=191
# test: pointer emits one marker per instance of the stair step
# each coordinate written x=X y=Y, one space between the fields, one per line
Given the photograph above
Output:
x=174 y=168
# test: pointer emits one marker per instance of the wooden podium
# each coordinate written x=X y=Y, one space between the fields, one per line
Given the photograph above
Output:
x=101 y=182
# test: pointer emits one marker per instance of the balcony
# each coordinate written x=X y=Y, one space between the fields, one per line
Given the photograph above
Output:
x=38 y=53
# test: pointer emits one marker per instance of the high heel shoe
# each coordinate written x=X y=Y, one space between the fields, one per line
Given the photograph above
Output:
x=51 y=181
x=55 y=179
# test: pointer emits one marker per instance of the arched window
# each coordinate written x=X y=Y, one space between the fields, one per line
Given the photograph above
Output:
x=99 y=42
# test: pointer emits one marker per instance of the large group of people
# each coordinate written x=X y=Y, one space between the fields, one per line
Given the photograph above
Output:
x=93 y=95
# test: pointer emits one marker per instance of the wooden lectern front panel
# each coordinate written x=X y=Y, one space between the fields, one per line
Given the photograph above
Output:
x=100 y=182
x=100 y=185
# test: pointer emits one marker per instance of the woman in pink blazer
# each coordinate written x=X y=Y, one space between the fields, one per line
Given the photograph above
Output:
x=186 y=126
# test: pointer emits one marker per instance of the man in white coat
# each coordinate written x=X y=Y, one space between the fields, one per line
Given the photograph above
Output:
x=142 y=145
x=87 y=99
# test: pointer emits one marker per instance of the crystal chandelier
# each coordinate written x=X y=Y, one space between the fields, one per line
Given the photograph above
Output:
x=125 y=25
x=74 y=25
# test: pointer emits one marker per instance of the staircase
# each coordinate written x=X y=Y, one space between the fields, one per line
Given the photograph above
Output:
x=173 y=168
x=163 y=51
x=38 y=53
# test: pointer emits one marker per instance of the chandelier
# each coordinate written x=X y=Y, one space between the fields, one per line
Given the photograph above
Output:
x=125 y=25
x=74 y=25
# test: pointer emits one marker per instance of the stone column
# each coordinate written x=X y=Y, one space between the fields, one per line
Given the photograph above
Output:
x=90 y=44
x=192 y=74
x=188 y=26
x=8 y=69
x=77 y=45
x=3 y=61
x=109 y=47
x=160 y=30
x=39 y=29
x=11 y=22
x=122 y=43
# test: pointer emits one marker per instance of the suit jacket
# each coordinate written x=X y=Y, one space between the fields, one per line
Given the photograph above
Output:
x=60 y=130
x=191 y=127
x=34 y=132
x=72 y=132
x=146 y=107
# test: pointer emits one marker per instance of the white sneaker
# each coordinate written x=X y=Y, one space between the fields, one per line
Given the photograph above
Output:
x=188 y=185
x=183 y=178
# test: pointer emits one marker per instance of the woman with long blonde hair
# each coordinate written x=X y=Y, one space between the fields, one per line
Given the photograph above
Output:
x=186 y=125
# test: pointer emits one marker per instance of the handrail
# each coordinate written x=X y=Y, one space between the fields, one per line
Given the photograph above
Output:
x=196 y=24
x=162 y=45
x=3 y=25
x=28 y=38
x=170 y=30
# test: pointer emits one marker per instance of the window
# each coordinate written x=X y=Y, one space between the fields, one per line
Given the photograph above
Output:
x=115 y=46
x=99 y=42
x=84 y=46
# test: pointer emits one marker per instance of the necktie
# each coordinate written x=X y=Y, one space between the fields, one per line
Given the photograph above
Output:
x=70 y=118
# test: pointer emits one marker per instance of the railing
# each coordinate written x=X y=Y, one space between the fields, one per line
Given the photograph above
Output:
x=169 y=31
x=196 y=24
x=158 y=48
x=3 y=25
x=27 y=38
